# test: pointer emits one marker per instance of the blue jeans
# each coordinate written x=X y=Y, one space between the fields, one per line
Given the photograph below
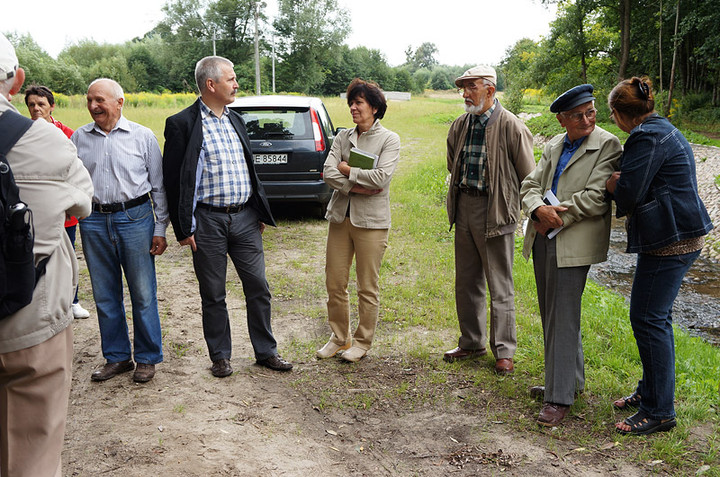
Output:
x=113 y=244
x=655 y=286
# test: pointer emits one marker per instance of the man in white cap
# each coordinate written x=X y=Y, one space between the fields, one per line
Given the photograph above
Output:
x=489 y=153
x=36 y=342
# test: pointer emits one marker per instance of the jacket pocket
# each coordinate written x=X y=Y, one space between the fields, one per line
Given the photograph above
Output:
x=655 y=221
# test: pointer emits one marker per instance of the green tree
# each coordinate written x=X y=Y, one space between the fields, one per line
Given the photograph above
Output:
x=310 y=33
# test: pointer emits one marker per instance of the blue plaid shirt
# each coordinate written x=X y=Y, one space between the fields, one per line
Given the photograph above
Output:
x=225 y=179
x=474 y=162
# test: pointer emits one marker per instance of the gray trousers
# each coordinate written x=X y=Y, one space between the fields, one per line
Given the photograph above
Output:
x=218 y=235
x=479 y=261
x=560 y=298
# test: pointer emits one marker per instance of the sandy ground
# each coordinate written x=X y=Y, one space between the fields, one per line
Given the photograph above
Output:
x=258 y=422
x=399 y=420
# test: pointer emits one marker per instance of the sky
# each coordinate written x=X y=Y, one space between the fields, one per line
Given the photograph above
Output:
x=386 y=25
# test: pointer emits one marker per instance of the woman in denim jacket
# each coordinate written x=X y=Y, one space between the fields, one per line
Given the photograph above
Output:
x=656 y=188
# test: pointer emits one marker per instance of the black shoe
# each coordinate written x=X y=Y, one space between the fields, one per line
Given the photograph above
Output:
x=221 y=368
x=275 y=363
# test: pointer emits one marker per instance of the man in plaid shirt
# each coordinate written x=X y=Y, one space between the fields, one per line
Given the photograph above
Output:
x=489 y=153
x=218 y=207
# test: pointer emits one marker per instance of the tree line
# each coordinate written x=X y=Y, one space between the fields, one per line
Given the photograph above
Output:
x=675 y=42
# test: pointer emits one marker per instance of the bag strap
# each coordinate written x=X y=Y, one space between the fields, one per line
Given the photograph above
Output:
x=12 y=126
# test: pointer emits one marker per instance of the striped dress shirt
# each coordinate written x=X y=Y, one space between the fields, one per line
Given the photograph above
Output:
x=124 y=164
x=225 y=179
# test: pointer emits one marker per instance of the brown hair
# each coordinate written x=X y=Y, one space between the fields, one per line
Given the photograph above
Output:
x=372 y=94
x=632 y=97
x=37 y=90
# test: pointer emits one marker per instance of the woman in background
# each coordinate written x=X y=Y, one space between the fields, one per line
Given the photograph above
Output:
x=359 y=216
x=656 y=188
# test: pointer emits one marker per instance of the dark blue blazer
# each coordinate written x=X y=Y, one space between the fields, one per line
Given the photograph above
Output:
x=183 y=141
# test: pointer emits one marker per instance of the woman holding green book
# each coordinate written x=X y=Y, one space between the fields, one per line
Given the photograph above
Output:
x=359 y=216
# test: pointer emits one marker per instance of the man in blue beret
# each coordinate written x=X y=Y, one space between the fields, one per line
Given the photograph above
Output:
x=570 y=230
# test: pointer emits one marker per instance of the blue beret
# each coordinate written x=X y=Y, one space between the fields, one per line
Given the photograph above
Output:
x=572 y=98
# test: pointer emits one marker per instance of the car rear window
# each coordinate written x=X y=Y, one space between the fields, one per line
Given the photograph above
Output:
x=278 y=123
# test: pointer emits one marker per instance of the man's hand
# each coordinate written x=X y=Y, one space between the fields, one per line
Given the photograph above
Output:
x=159 y=244
x=358 y=189
x=612 y=182
x=344 y=168
x=189 y=241
x=262 y=227
x=547 y=216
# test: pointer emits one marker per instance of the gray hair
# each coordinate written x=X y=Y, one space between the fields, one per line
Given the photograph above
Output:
x=115 y=87
x=209 y=68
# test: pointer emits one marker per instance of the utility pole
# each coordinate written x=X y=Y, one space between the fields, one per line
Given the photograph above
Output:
x=257 y=49
x=214 y=51
x=273 y=63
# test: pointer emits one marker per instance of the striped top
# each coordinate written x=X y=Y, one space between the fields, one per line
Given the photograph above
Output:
x=474 y=163
x=225 y=179
x=124 y=164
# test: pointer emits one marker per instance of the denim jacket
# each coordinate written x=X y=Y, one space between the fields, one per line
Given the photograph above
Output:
x=657 y=189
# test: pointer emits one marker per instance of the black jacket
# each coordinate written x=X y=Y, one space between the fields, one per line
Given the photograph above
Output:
x=183 y=141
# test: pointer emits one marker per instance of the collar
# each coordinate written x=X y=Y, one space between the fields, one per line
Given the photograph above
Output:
x=574 y=144
x=122 y=124
x=205 y=111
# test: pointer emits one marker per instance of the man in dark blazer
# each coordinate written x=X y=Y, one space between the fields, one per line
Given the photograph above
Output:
x=218 y=207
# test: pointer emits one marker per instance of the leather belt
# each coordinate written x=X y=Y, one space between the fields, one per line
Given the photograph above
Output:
x=471 y=191
x=228 y=209
x=118 y=206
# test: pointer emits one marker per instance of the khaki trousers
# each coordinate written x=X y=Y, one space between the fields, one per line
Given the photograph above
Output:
x=480 y=260
x=34 y=392
x=368 y=246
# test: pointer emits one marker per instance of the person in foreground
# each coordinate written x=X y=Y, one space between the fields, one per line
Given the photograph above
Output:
x=656 y=189
x=489 y=153
x=359 y=220
x=41 y=103
x=123 y=234
x=36 y=342
x=574 y=167
x=218 y=207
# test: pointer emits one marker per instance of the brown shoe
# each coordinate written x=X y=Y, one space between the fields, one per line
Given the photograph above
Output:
x=504 y=366
x=275 y=363
x=144 y=373
x=110 y=370
x=221 y=368
x=459 y=354
x=552 y=414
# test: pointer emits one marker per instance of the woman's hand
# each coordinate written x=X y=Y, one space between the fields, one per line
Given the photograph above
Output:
x=358 y=189
x=612 y=182
x=344 y=168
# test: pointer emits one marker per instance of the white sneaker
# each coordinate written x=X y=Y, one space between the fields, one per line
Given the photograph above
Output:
x=330 y=349
x=354 y=354
x=79 y=311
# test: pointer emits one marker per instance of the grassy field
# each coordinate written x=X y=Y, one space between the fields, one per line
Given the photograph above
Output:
x=417 y=284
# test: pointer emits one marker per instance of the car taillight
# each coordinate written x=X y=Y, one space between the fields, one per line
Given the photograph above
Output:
x=319 y=141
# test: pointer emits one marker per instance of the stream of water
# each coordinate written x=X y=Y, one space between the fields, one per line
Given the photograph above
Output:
x=697 y=307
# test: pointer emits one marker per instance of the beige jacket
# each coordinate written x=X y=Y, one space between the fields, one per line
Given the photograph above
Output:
x=366 y=211
x=510 y=158
x=54 y=183
x=585 y=236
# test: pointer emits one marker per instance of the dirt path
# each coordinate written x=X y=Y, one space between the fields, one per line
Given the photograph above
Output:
x=398 y=417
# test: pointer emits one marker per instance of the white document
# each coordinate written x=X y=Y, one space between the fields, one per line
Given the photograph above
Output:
x=550 y=199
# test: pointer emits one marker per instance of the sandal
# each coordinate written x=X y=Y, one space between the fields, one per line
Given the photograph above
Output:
x=628 y=402
x=641 y=425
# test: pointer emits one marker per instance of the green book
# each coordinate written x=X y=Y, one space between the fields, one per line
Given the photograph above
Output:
x=362 y=159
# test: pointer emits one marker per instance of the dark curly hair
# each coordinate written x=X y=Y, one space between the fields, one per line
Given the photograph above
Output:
x=38 y=90
x=372 y=94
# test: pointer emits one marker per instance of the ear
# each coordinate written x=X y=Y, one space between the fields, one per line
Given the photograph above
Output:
x=560 y=119
x=19 y=80
x=121 y=101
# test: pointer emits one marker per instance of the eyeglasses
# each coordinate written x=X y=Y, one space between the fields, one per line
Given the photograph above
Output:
x=577 y=117
x=471 y=88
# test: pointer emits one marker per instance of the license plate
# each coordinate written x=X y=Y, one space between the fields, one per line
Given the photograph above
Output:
x=270 y=158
